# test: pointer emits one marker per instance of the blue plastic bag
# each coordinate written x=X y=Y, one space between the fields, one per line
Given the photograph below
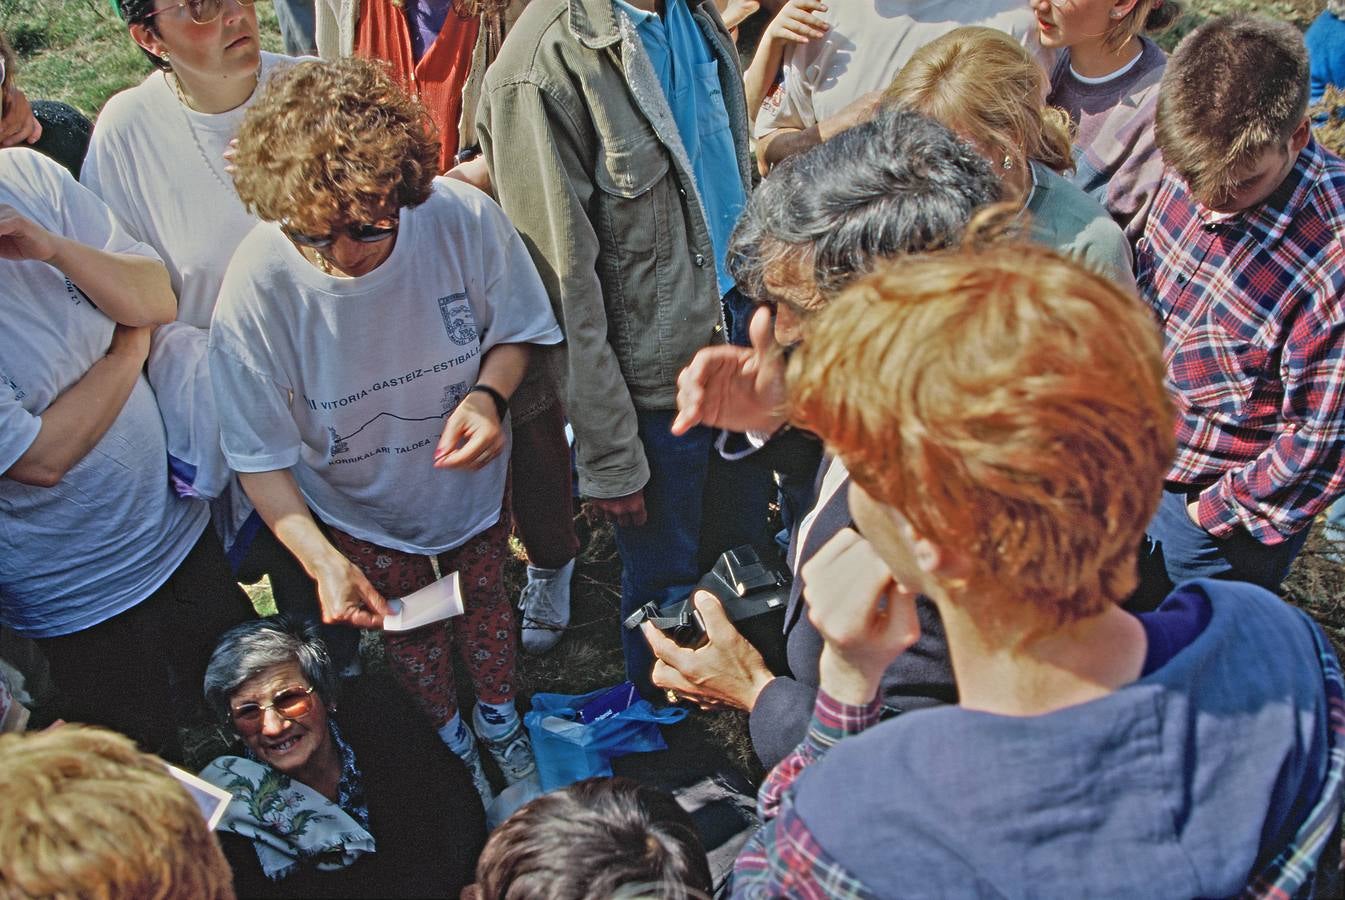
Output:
x=568 y=750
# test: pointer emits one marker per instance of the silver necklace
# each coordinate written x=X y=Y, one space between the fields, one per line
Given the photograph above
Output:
x=176 y=85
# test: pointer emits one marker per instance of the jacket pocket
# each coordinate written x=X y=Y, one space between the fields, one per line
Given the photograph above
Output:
x=631 y=169
x=634 y=217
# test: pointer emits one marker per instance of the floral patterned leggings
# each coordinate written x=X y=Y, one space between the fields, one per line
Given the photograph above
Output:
x=421 y=660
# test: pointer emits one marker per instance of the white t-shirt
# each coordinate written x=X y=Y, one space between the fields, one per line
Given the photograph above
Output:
x=160 y=166
x=349 y=381
x=112 y=531
x=868 y=43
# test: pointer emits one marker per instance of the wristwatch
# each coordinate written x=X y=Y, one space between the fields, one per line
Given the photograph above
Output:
x=501 y=401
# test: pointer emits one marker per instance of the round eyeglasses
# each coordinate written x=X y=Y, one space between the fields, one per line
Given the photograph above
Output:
x=291 y=703
x=202 y=12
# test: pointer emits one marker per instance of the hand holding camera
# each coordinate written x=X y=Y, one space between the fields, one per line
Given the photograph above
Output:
x=721 y=670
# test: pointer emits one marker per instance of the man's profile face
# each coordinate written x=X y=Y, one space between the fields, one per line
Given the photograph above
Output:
x=1257 y=181
x=793 y=292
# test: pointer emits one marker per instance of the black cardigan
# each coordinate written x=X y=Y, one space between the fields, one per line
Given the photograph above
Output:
x=424 y=813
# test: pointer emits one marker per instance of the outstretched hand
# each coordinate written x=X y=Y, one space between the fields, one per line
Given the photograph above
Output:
x=346 y=595
x=738 y=388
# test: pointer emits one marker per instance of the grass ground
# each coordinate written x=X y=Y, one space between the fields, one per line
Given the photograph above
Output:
x=77 y=51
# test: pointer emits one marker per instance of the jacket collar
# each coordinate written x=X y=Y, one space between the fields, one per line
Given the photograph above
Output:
x=594 y=24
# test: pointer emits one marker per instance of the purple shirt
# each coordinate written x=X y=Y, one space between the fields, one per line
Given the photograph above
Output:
x=426 y=18
x=1116 y=160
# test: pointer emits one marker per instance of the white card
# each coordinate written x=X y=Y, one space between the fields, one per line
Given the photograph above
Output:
x=432 y=603
x=212 y=800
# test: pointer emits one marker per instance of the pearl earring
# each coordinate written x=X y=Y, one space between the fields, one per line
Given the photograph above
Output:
x=1116 y=14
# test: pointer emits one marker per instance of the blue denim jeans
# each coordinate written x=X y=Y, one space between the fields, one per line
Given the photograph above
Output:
x=698 y=506
x=1177 y=549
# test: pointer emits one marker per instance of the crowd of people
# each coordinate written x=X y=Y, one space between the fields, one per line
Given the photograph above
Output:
x=1032 y=334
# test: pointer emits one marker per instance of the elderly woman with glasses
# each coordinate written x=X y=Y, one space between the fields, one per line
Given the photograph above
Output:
x=374 y=806
x=156 y=158
x=368 y=337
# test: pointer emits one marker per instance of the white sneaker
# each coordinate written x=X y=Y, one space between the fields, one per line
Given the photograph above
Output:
x=479 y=780
x=512 y=751
x=545 y=605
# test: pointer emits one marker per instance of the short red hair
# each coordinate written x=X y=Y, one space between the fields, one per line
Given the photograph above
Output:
x=1010 y=404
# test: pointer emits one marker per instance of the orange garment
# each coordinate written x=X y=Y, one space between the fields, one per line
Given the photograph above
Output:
x=438 y=79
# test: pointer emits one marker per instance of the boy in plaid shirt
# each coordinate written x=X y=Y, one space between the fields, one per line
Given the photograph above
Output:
x=1243 y=264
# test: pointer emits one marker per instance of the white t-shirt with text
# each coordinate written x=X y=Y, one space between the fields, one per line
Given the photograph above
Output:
x=349 y=381
x=112 y=530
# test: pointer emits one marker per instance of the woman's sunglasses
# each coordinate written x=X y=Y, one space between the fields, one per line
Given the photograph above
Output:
x=364 y=232
x=202 y=12
x=291 y=703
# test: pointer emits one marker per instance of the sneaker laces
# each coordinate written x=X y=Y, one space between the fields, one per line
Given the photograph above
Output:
x=513 y=753
x=537 y=606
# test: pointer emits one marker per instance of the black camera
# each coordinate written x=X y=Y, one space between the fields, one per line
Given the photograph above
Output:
x=754 y=595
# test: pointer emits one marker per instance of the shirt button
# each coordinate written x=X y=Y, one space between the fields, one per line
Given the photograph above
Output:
x=683 y=192
x=700 y=260
x=1181 y=278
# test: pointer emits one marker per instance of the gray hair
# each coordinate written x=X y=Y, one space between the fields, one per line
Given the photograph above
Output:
x=1336 y=8
x=247 y=650
x=899 y=183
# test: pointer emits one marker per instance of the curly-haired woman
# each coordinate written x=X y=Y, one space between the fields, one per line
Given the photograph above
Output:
x=374 y=303
x=438 y=50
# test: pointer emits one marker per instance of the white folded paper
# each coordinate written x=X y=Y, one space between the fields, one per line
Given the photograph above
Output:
x=211 y=799
x=432 y=603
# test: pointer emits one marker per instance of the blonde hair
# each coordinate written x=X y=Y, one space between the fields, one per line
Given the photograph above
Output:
x=982 y=84
x=334 y=141
x=1010 y=404
x=88 y=815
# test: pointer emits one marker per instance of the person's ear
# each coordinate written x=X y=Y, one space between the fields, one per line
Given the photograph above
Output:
x=942 y=565
x=148 y=39
x=1122 y=8
x=1299 y=139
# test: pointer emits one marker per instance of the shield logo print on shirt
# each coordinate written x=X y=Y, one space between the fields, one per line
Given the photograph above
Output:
x=458 y=321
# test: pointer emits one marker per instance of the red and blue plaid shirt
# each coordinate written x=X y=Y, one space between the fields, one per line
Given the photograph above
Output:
x=1254 y=340
x=783 y=859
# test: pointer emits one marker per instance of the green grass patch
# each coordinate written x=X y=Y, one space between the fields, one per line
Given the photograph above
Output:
x=79 y=51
